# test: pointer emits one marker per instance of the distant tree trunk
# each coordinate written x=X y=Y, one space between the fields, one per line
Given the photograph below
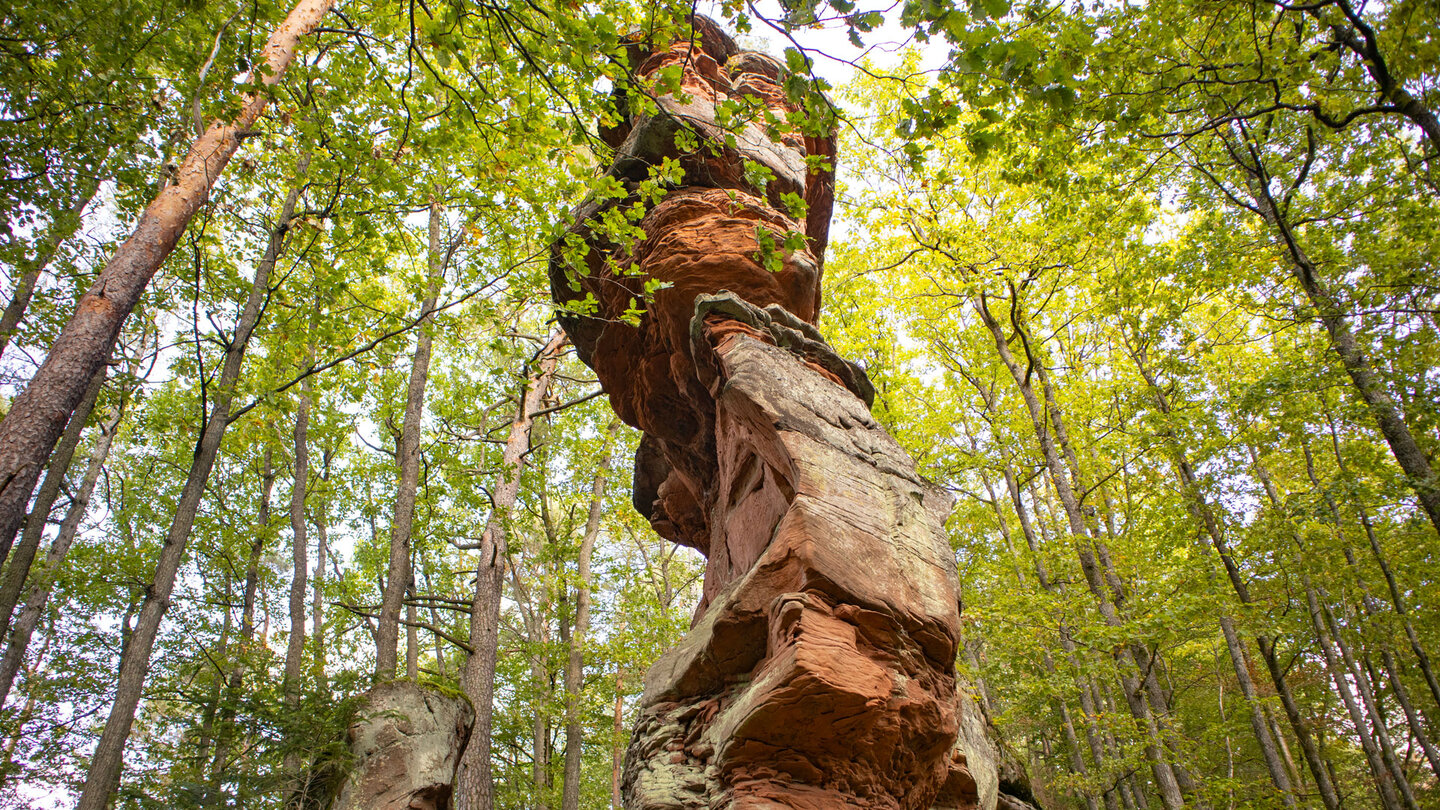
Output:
x=235 y=681
x=1126 y=664
x=474 y=784
x=41 y=584
x=407 y=457
x=299 y=571
x=1077 y=758
x=107 y=760
x=36 y=418
x=19 y=568
x=1369 y=604
x=575 y=662
x=61 y=229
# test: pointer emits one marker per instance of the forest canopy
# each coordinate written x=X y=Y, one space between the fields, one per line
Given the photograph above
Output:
x=1150 y=289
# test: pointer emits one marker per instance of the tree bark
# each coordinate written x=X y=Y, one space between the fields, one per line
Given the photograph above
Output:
x=39 y=594
x=19 y=565
x=299 y=571
x=106 y=763
x=474 y=784
x=407 y=457
x=321 y=518
x=36 y=418
x=575 y=662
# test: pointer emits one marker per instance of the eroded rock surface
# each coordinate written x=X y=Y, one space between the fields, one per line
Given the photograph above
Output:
x=405 y=743
x=820 y=670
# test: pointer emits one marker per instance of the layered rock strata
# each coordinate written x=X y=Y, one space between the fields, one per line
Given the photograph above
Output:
x=820 y=670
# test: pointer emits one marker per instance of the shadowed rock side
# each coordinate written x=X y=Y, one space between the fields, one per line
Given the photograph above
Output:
x=820 y=671
x=405 y=743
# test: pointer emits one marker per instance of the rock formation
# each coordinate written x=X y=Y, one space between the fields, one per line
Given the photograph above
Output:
x=404 y=745
x=820 y=669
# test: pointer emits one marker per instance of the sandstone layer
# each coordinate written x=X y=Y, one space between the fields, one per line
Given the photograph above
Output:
x=404 y=744
x=820 y=670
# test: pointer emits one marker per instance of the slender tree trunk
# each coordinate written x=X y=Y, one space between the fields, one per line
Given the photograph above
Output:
x=617 y=751
x=474 y=784
x=105 y=764
x=299 y=571
x=407 y=457
x=35 y=599
x=320 y=517
x=19 y=568
x=235 y=682
x=1412 y=460
x=61 y=229
x=36 y=418
x=575 y=662
x=412 y=635
x=1165 y=778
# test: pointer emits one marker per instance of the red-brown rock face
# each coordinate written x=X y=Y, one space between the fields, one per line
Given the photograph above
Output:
x=820 y=671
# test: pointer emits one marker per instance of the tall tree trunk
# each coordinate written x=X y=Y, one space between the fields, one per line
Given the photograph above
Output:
x=40 y=585
x=575 y=662
x=1370 y=692
x=407 y=457
x=61 y=229
x=36 y=418
x=235 y=681
x=19 y=568
x=412 y=635
x=617 y=749
x=1146 y=659
x=1419 y=474
x=320 y=516
x=1127 y=666
x=1042 y=575
x=299 y=571
x=105 y=764
x=474 y=784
